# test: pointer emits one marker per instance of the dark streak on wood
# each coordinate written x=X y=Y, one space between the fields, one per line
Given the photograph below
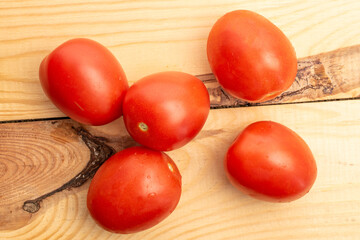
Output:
x=55 y=119
x=99 y=153
x=318 y=78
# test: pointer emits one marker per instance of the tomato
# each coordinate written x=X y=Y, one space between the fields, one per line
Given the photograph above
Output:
x=251 y=58
x=166 y=110
x=85 y=81
x=269 y=161
x=134 y=190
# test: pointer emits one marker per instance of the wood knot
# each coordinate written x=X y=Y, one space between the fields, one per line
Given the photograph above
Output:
x=31 y=206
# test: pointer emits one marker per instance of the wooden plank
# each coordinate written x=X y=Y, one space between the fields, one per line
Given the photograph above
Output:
x=39 y=157
x=333 y=75
x=147 y=37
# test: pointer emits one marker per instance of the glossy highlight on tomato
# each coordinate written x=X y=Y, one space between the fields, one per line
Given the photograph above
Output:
x=270 y=162
x=164 y=111
x=134 y=190
x=251 y=58
x=85 y=81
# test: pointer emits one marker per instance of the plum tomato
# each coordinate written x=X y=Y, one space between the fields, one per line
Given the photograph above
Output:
x=251 y=58
x=134 y=190
x=270 y=162
x=85 y=81
x=166 y=110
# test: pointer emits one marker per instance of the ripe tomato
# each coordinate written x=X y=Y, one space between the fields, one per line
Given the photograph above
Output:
x=164 y=111
x=134 y=190
x=271 y=162
x=85 y=81
x=251 y=58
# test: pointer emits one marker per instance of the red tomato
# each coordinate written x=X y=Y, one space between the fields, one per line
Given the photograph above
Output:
x=85 y=81
x=134 y=190
x=251 y=58
x=164 y=111
x=269 y=161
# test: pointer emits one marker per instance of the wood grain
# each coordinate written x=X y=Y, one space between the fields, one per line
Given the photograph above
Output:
x=36 y=159
x=147 y=37
x=210 y=208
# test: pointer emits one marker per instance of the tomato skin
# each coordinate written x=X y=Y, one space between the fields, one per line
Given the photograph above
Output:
x=270 y=162
x=134 y=190
x=85 y=81
x=251 y=58
x=166 y=110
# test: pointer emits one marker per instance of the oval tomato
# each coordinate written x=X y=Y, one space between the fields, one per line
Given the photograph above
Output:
x=134 y=190
x=85 y=81
x=269 y=161
x=164 y=111
x=251 y=58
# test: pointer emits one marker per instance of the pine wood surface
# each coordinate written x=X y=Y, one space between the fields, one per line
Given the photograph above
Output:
x=39 y=160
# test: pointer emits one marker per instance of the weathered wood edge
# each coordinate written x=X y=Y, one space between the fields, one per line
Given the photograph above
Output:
x=327 y=76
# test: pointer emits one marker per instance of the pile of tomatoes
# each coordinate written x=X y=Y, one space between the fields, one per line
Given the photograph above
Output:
x=140 y=186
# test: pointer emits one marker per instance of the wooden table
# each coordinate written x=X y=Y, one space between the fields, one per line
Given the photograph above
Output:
x=40 y=150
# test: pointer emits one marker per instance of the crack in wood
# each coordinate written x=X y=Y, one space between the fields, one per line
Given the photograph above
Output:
x=99 y=153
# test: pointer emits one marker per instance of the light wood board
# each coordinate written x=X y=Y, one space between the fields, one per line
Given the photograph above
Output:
x=210 y=208
x=147 y=36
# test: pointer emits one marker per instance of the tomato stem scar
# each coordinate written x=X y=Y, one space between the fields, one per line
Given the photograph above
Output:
x=143 y=127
